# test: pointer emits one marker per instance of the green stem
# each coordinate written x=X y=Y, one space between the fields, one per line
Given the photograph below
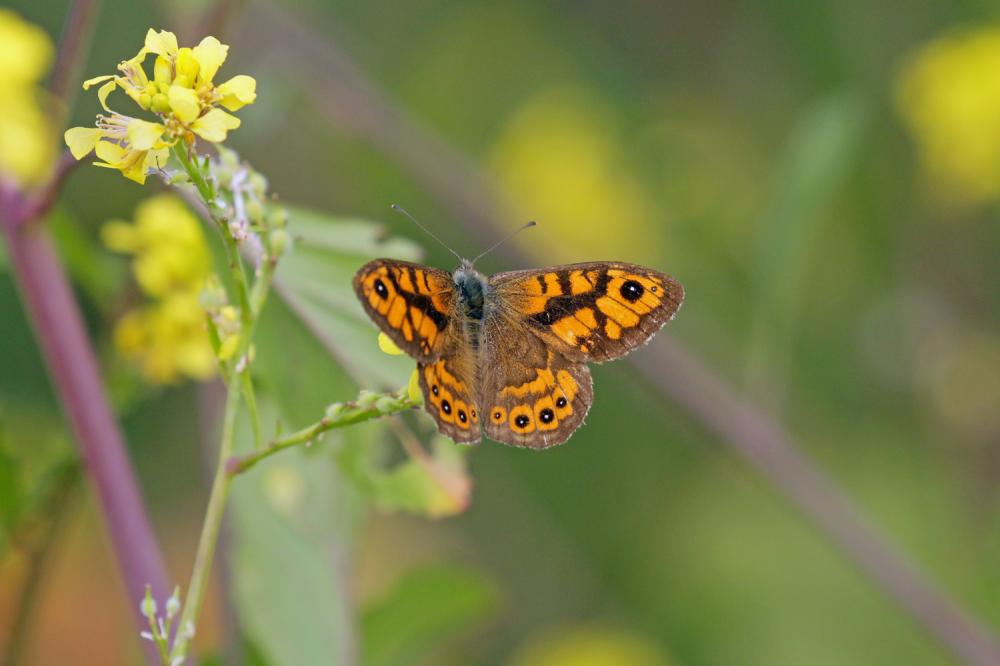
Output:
x=210 y=530
x=365 y=408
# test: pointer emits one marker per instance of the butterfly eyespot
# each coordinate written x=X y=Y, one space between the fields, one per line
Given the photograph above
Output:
x=546 y=415
x=446 y=407
x=435 y=390
x=631 y=291
x=498 y=416
x=380 y=288
x=461 y=416
x=561 y=402
x=522 y=421
x=654 y=288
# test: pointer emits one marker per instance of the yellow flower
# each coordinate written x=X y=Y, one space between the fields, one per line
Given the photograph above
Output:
x=182 y=93
x=387 y=346
x=948 y=94
x=26 y=138
x=166 y=338
x=133 y=146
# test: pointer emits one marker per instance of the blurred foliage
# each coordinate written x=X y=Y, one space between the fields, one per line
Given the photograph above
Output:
x=791 y=163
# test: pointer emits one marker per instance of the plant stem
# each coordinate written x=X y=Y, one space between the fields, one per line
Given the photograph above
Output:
x=210 y=529
x=342 y=414
x=59 y=329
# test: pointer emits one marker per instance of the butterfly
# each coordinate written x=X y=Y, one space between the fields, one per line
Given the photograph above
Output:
x=507 y=354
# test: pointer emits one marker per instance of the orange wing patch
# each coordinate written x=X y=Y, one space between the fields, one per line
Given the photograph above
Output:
x=445 y=393
x=410 y=303
x=549 y=400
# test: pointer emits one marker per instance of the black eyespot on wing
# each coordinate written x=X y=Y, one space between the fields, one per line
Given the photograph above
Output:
x=446 y=407
x=380 y=288
x=522 y=421
x=546 y=415
x=560 y=402
x=632 y=291
x=435 y=390
x=462 y=416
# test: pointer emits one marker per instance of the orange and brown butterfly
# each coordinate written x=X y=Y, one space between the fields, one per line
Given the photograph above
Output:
x=507 y=354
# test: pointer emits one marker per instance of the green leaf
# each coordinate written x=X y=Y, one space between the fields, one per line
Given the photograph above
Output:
x=436 y=485
x=820 y=153
x=424 y=609
x=314 y=280
x=293 y=524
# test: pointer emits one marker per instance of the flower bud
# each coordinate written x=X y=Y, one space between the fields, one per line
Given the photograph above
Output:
x=279 y=242
x=148 y=605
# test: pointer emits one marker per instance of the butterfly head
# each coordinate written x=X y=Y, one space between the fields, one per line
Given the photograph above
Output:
x=471 y=286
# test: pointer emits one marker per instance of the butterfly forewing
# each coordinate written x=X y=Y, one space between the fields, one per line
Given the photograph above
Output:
x=412 y=304
x=591 y=312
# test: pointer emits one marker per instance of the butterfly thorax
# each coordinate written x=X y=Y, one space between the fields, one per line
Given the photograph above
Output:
x=471 y=286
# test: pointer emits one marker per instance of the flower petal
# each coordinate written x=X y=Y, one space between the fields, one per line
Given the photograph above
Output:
x=161 y=43
x=214 y=125
x=97 y=79
x=184 y=103
x=81 y=140
x=103 y=92
x=110 y=152
x=210 y=54
x=386 y=344
x=157 y=159
x=143 y=135
x=238 y=91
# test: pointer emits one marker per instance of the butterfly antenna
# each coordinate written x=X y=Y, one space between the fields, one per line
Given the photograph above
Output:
x=504 y=240
x=400 y=209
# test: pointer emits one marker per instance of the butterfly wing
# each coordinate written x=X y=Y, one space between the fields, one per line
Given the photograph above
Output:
x=415 y=306
x=532 y=396
x=448 y=385
x=412 y=304
x=592 y=312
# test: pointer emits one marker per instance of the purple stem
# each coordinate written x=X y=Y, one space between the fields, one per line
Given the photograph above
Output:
x=73 y=367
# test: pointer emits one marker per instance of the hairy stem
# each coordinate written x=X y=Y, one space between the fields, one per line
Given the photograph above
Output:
x=339 y=415
x=210 y=529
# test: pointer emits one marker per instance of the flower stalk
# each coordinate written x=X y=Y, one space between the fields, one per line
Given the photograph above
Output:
x=367 y=406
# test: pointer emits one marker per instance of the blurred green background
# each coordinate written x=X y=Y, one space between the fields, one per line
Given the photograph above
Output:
x=821 y=176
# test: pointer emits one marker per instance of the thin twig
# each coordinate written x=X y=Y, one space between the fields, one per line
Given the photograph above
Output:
x=339 y=415
x=74 y=45
x=42 y=200
x=354 y=101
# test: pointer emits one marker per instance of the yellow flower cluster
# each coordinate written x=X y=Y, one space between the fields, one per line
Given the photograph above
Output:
x=948 y=94
x=26 y=139
x=182 y=93
x=167 y=337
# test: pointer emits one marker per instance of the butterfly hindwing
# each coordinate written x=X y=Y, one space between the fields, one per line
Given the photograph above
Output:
x=412 y=304
x=590 y=312
x=448 y=385
x=531 y=396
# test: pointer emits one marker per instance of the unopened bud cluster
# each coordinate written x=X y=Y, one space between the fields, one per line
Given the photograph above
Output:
x=160 y=626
